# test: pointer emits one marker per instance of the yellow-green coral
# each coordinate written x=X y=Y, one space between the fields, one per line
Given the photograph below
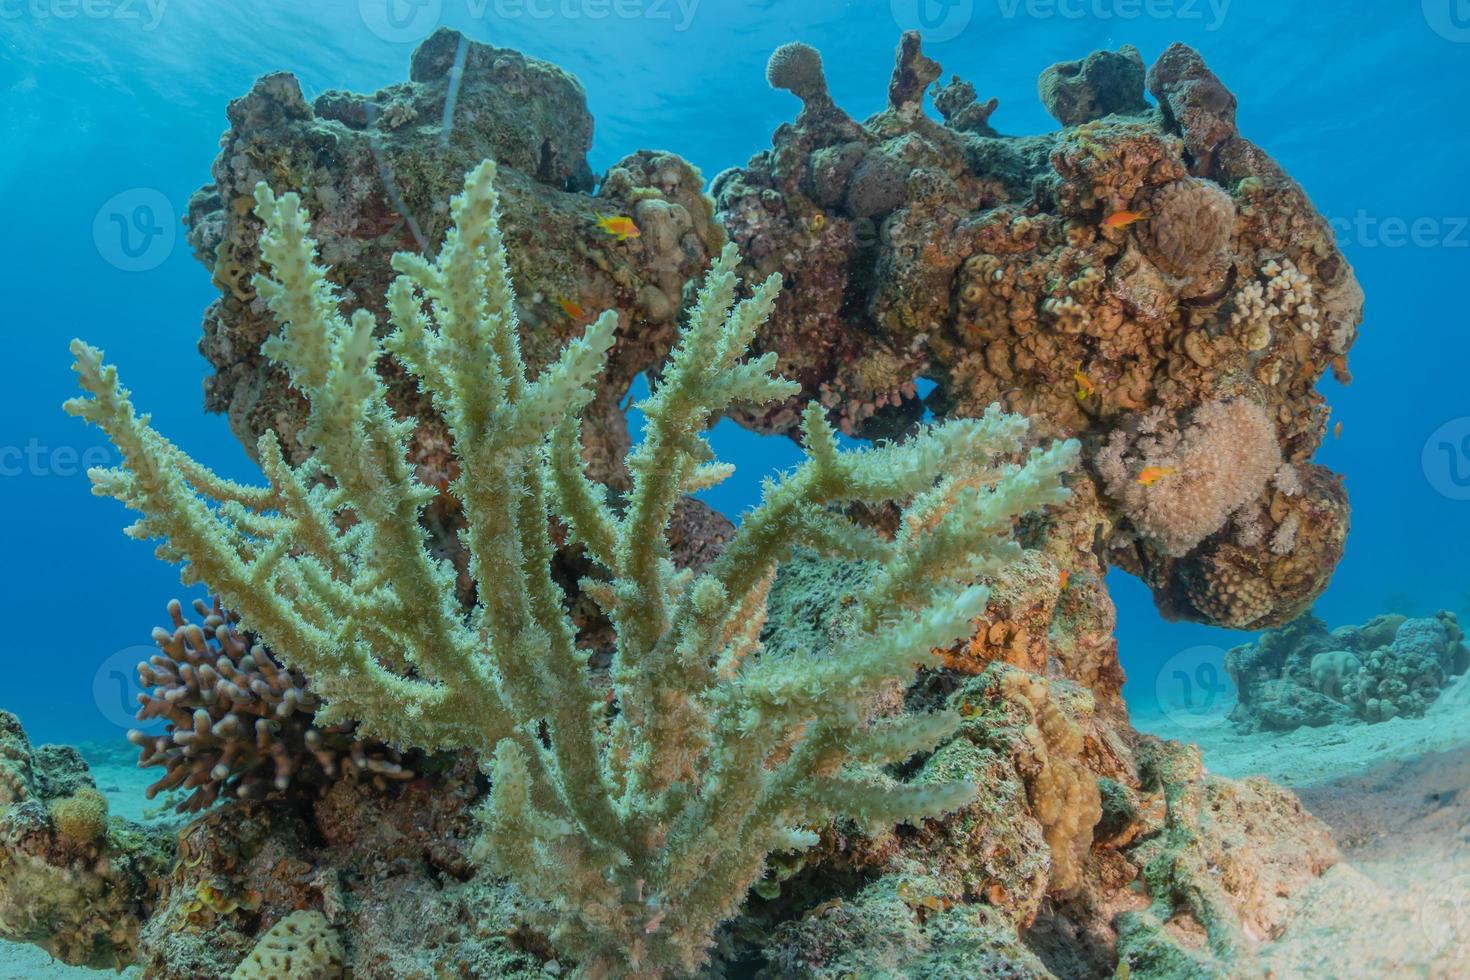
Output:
x=634 y=825
x=302 y=946
x=81 y=818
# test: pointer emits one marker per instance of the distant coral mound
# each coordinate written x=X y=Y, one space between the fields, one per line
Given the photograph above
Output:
x=1306 y=674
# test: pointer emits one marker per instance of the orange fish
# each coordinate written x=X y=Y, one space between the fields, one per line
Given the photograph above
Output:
x=1123 y=219
x=572 y=309
x=1085 y=388
x=1337 y=431
x=1153 y=474
x=1064 y=579
x=819 y=221
x=620 y=226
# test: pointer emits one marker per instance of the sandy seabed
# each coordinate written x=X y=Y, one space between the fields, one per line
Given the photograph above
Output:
x=1396 y=795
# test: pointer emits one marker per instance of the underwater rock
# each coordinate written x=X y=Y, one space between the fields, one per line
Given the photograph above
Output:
x=1102 y=84
x=1218 y=870
x=925 y=251
x=378 y=171
x=390 y=875
x=73 y=881
x=1304 y=674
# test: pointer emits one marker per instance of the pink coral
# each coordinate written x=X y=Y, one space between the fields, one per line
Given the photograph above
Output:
x=1210 y=469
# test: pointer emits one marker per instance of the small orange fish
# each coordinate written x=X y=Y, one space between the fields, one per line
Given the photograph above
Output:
x=1153 y=474
x=1064 y=579
x=1337 y=431
x=819 y=221
x=1122 y=219
x=572 y=309
x=619 y=226
x=1085 y=388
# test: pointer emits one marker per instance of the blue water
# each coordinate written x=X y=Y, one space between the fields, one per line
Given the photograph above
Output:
x=1362 y=102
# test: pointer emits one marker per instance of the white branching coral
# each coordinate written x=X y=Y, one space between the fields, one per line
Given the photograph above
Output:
x=634 y=819
x=1280 y=301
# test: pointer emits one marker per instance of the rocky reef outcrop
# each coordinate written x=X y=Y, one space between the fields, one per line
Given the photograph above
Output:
x=1112 y=279
x=74 y=881
x=916 y=252
x=1307 y=675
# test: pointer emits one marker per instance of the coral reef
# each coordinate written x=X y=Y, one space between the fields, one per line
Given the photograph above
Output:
x=72 y=881
x=912 y=249
x=376 y=191
x=301 y=945
x=1045 y=836
x=985 y=264
x=1306 y=674
x=633 y=838
x=239 y=723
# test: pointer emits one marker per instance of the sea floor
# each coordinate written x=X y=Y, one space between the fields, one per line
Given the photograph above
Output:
x=1396 y=795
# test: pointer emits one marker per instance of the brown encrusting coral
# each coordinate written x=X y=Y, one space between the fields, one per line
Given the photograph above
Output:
x=239 y=723
x=988 y=265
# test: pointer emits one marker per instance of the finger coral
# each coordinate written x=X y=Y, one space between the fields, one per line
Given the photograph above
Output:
x=634 y=819
x=239 y=723
x=1064 y=794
